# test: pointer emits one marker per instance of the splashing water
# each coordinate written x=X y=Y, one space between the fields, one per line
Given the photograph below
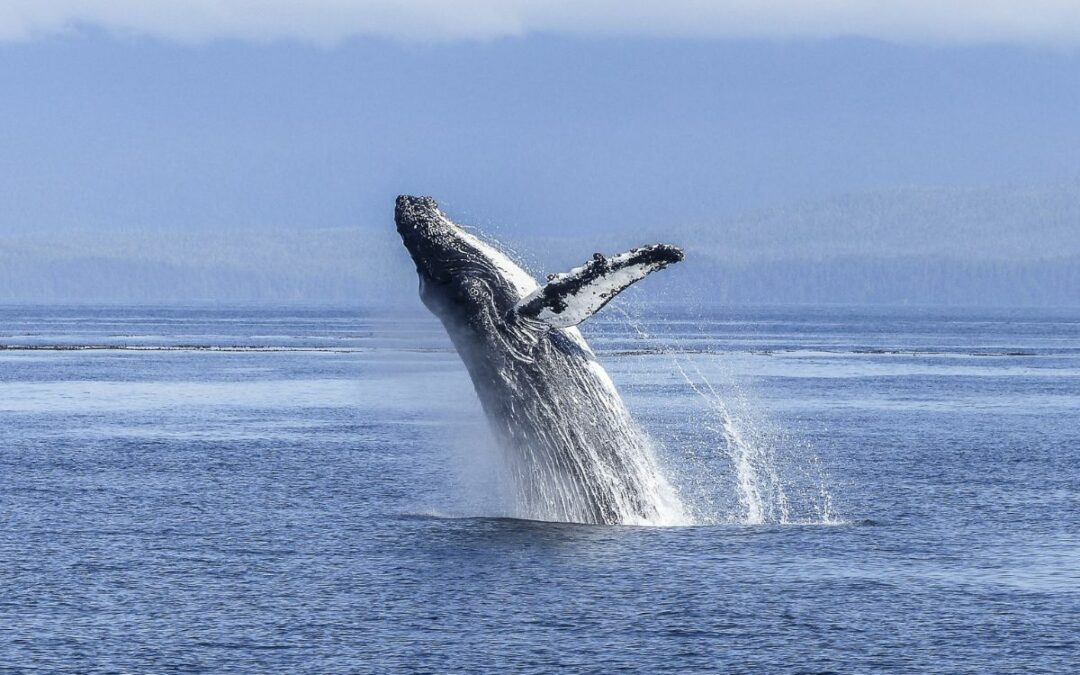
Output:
x=773 y=478
x=776 y=478
x=573 y=453
x=571 y=449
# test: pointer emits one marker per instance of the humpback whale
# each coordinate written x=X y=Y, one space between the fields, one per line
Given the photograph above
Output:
x=573 y=450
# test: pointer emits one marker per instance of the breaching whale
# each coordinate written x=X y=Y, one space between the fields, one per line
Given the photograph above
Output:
x=574 y=451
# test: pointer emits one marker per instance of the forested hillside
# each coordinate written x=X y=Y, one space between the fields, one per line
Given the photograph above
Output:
x=990 y=246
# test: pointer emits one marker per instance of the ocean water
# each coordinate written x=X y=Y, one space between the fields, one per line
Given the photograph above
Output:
x=261 y=490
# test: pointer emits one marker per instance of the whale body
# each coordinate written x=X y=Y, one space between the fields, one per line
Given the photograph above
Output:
x=574 y=452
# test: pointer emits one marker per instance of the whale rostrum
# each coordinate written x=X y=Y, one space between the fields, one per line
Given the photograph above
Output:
x=573 y=450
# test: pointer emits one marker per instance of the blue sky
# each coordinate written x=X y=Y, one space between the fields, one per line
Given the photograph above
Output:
x=129 y=115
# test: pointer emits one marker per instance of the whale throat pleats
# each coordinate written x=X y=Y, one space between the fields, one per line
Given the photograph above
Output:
x=570 y=298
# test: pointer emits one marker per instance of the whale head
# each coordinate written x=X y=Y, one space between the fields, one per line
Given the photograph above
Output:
x=460 y=274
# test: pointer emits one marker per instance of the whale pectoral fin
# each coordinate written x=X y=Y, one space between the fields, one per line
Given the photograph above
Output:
x=570 y=298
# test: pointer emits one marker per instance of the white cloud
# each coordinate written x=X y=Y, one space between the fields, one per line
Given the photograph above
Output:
x=1031 y=22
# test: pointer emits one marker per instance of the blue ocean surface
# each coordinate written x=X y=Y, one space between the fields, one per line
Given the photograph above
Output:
x=315 y=491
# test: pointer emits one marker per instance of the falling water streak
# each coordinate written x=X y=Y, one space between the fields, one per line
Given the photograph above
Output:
x=739 y=450
x=746 y=457
x=761 y=489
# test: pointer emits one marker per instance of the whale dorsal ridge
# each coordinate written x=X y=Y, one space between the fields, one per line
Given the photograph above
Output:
x=570 y=298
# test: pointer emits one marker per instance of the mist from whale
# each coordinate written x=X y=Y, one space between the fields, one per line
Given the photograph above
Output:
x=572 y=448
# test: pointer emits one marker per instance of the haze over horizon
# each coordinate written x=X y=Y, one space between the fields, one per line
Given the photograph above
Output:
x=159 y=159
